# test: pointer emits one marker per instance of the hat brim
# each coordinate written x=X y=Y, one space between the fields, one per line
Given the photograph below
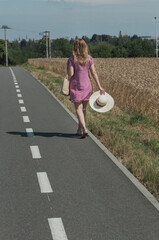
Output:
x=106 y=108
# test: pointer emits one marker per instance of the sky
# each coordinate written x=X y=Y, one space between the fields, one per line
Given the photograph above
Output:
x=71 y=18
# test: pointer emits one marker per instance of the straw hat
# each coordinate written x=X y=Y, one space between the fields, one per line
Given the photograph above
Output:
x=101 y=103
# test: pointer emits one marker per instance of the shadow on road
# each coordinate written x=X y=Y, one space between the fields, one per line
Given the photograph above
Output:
x=46 y=134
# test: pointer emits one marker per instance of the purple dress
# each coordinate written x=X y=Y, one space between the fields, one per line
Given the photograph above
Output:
x=80 y=83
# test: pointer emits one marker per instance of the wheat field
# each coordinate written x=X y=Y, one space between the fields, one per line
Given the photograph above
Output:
x=133 y=82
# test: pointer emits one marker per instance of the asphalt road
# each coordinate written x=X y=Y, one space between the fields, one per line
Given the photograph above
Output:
x=54 y=185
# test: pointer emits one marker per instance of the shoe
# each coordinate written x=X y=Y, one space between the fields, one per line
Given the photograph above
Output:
x=79 y=133
x=84 y=135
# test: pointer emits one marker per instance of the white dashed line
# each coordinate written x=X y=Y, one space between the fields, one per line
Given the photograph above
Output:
x=57 y=229
x=23 y=109
x=26 y=119
x=29 y=132
x=56 y=224
x=44 y=182
x=35 y=152
x=21 y=101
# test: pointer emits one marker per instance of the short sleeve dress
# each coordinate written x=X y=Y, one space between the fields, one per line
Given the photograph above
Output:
x=80 y=83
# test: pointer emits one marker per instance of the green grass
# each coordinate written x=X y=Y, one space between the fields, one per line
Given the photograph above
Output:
x=132 y=137
x=139 y=118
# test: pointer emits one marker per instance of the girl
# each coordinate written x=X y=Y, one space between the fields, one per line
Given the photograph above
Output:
x=78 y=67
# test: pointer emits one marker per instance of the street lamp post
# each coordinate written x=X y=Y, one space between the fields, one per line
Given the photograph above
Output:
x=5 y=36
x=156 y=18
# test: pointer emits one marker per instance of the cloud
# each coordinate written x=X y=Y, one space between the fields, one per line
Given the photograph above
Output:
x=50 y=1
x=104 y=1
x=96 y=1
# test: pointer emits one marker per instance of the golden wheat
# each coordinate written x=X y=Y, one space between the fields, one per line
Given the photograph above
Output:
x=133 y=82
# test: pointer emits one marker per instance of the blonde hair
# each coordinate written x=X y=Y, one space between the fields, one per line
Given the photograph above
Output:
x=80 y=52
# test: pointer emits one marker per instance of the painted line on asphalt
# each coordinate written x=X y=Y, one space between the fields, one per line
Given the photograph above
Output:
x=23 y=109
x=15 y=82
x=21 y=101
x=57 y=229
x=14 y=78
x=29 y=132
x=45 y=186
x=17 y=90
x=19 y=95
x=26 y=119
x=16 y=86
x=35 y=152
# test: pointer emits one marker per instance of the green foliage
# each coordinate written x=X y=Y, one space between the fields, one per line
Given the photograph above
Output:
x=139 y=118
x=104 y=46
x=2 y=52
x=102 y=50
x=62 y=48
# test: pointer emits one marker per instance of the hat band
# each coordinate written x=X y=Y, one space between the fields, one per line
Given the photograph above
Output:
x=100 y=104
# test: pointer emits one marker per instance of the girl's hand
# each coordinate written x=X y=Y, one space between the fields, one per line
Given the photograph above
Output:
x=102 y=91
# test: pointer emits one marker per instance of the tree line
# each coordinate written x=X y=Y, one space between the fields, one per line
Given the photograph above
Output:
x=100 y=46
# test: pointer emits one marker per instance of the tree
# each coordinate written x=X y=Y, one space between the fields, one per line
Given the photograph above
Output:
x=102 y=49
x=63 y=47
x=2 y=52
x=119 y=51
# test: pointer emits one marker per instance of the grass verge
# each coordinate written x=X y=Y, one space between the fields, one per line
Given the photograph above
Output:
x=133 y=138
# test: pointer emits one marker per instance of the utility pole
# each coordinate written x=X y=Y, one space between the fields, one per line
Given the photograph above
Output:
x=49 y=44
x=46 y=34
x=5 y=36
x=156 y=18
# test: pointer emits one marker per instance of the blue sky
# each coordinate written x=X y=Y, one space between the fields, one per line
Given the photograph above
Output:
x=70 y=18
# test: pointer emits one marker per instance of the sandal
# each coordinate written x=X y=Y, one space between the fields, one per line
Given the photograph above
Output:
x=79 y=132
x=84 y=135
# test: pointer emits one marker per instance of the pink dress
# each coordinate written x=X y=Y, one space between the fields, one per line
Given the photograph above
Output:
x=80 y=83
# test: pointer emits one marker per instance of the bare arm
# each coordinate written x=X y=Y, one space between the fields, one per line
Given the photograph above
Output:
x=95 y=77
x=70 y=71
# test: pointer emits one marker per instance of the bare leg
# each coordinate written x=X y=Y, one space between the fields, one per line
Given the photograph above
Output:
x=84 y=108
x=80 y=115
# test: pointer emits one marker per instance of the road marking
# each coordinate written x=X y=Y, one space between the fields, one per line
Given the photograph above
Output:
x=35 y=152
x=19 y=95
x=23 y=109
x=15 y=82
x=26 y=119
x=12 y=72
x=17 y=90
x=21 y=101
x=30 y=132
x=16 y=86
x=57 y=229
x=44 y=182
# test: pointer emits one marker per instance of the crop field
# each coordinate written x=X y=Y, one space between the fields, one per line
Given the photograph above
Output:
x=133 y=82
